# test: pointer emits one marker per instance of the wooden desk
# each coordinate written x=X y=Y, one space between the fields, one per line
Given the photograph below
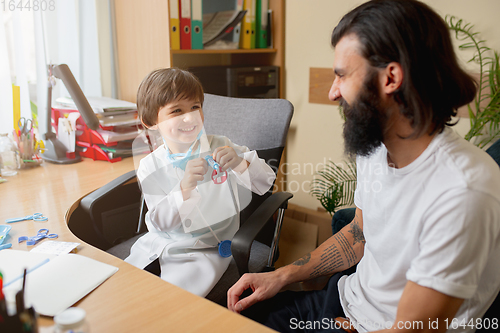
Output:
x=132 y=300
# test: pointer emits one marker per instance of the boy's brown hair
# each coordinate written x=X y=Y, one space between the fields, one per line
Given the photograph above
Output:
x=163 y=86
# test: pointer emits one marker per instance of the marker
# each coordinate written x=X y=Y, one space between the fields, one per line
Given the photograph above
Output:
x=20 y=296
x=3 y=305
x=214 y=165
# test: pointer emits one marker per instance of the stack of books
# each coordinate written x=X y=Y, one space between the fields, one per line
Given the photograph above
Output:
x=119 y=125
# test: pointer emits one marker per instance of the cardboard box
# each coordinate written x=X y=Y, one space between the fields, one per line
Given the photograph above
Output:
x=296 y=240
x=322 y=220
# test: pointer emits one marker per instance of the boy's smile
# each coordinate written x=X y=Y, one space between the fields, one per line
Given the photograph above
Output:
x=179 y=123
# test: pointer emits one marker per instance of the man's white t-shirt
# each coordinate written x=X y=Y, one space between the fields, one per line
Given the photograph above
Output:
x=435 y=222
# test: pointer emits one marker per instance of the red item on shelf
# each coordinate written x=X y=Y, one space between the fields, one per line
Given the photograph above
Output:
x=94 y=152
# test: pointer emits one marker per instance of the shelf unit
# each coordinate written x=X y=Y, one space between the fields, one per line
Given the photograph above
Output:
x=142 y=37
x=143 y=44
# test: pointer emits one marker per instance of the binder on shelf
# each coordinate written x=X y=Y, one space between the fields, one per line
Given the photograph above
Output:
x=185 y=23
x=270 y=43
x=175 y=36
x=261 y=24
x=197 y=24
x=246 y=26
x=237 y=29
x=252 y=22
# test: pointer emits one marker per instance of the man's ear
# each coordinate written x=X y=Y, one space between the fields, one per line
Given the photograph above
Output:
x=392 y=77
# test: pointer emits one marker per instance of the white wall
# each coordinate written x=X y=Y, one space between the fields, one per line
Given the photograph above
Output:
x=316 y=132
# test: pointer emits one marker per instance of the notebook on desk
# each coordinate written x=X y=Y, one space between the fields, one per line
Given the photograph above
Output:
x=53 y=283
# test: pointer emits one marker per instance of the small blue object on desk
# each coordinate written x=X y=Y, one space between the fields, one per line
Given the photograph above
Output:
x=5 y=246
x=42 y=233
x=34 y=217
x=4 y=231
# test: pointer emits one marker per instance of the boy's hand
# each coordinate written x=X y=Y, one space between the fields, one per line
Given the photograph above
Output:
x=195 y=172
x=228 y=159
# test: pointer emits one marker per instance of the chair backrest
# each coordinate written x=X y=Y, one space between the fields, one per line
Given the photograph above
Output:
x=259 y=124
x=494 y=310
x=494 y=151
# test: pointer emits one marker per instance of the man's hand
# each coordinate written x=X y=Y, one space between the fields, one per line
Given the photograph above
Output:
x=195 y=172
x=263 y=285
x=228 y=159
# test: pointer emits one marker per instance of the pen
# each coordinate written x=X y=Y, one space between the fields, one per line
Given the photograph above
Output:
x=20 y=296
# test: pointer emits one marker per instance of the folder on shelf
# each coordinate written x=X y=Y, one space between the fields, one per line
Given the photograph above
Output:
x=237 y=29
x=270 y=36
x=175 y=36
x=246 y=26
x=261 y=24
x=185 y=22
x=53 y=283
x=196 y=24
x=252 y=23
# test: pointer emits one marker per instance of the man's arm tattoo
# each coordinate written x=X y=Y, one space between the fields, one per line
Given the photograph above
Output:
x=357 y=233
x=330 y=261
x=302 y=261
x=346 y=248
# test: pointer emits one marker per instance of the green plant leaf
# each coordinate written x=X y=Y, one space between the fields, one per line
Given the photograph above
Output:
x=482 y=118
x=334 y=186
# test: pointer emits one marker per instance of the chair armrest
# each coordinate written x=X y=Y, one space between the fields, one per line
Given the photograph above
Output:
x=242 y=240
x=88 y=201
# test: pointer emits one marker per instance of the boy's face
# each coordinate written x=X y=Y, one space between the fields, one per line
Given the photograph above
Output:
x=180 y=122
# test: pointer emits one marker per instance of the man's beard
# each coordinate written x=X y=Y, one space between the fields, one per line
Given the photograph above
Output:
x=365 y=123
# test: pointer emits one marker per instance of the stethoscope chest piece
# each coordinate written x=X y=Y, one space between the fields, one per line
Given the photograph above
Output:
x=225 y=248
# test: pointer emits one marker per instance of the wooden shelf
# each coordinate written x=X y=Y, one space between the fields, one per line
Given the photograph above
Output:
x=225 y=51
x=143 y=44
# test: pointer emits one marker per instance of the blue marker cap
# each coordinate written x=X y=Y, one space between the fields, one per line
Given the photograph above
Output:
x=225 y=248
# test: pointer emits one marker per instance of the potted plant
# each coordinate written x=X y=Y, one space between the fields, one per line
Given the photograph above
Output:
x=334 y=187
x=484 y=111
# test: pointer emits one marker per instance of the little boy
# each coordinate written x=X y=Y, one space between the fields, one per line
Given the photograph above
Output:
x=191 y=207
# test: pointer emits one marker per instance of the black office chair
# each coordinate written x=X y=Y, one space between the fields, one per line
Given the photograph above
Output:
x=108 y=217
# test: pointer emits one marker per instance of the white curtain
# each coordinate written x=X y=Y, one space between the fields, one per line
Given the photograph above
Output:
x=6 y=105
x=66 y=35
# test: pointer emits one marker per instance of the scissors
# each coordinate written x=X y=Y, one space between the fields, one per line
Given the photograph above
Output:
x=34 y=217
x=25 y=125
x=42 y=233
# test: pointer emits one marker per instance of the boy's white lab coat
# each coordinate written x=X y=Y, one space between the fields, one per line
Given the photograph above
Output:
x=177 y=234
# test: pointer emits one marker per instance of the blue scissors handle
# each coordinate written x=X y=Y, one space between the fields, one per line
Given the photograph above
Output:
x=34 y=217
x=39 y=217
x=42 y=233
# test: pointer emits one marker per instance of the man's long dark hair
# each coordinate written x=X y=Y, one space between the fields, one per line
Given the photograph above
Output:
x=412 y=34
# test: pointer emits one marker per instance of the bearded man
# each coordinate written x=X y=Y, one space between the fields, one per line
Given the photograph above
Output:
x=426 y=233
